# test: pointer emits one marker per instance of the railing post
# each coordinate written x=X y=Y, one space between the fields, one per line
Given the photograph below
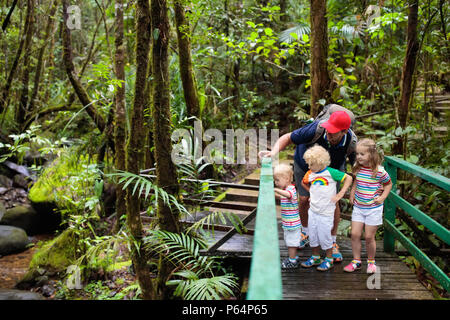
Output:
x=390 y=207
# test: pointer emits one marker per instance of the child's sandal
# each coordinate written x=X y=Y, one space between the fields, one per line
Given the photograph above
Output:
x=353 y=266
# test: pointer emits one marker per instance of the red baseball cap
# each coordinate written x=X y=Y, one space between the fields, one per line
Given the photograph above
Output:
x=338 y=121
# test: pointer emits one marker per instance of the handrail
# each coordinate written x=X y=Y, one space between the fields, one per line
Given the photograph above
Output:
x=265 y=270
x=393 y=201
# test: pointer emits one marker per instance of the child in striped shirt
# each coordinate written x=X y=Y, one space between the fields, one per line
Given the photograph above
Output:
x=372 y=186
x=290 y=217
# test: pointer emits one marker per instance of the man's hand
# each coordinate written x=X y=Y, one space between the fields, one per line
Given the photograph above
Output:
x=264 y=154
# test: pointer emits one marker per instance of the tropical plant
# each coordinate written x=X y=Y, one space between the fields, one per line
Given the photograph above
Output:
x=195 y=276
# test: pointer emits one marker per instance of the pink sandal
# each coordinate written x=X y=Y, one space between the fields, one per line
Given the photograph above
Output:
x=353 y=266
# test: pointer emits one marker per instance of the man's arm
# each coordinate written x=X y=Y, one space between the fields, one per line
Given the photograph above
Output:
x=280 y=145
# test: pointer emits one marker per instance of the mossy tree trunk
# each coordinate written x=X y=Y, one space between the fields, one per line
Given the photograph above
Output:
x=74 y=80
x=185 y=60
x=165 y=168
x=320 y=79
x=40 y=63
x=119 y=115
x=135 y=145
x=5 y=92
x=22 y=108
x=409 y=64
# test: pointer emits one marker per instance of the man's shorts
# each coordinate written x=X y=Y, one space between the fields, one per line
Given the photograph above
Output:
x=298 y=176
x=319 y=230
x=292 y=237
x=370 y=217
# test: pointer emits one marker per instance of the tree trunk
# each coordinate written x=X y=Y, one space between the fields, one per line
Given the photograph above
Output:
x=320 y=79
x=38 y=72
x=185 y=60
x=23 y=101
x=412 y=47
x=165 y=168
x=5 y=92
x=120 y=118
x=135 y=144
x=70 y=70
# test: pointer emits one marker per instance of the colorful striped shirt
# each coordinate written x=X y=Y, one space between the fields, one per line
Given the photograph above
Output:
x=367 y=187
x=290 y=217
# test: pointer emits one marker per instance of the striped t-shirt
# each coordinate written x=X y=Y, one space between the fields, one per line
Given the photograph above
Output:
x=367 y=188
x=290 y=218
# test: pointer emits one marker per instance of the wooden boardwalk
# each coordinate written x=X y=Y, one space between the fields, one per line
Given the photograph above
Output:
x=396 y=280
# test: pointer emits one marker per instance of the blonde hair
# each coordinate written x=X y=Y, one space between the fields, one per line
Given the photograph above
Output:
x=376 y=156
x=284 y=170
x=317 y=155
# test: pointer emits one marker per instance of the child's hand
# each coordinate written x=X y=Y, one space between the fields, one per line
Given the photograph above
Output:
x=352 y=199
x=378 y=200
x=336 y=198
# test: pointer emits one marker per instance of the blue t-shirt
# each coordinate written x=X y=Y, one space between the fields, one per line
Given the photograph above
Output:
x=304 y=135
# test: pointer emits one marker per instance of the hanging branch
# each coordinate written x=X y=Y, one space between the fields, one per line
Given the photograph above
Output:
x=8 y=16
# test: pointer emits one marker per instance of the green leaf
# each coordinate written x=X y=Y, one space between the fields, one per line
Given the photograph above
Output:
x=156 y=33
x=268 y=31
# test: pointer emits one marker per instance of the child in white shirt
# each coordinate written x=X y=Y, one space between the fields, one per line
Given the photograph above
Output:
x=321 y=182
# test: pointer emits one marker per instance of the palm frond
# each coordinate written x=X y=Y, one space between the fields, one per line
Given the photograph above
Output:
x=194 y=288
x=222 y=217
x=136 y=181
x=179 y=249
x=293 y=34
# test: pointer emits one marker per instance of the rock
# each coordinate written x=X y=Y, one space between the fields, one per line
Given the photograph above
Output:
x=17 y=168
x=24 y=217
x=31 y=220
x=12 y=240
x=5 y=182
x=53 y=257
x=13 y=294
x=21 y=181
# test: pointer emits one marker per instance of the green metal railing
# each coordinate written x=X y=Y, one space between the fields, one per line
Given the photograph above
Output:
x=393 y=201
x=265 y=270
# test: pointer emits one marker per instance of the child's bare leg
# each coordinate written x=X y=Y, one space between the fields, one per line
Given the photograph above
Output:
x=337 y=218
x=328 y=253
x=292 y=252
x=315 y=251
x=357 y=228
x=371 y=244
x=303 y=208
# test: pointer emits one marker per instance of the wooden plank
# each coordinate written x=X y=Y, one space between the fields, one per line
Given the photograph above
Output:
x=265 y=268
x=231 y=233
x=361 y=294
